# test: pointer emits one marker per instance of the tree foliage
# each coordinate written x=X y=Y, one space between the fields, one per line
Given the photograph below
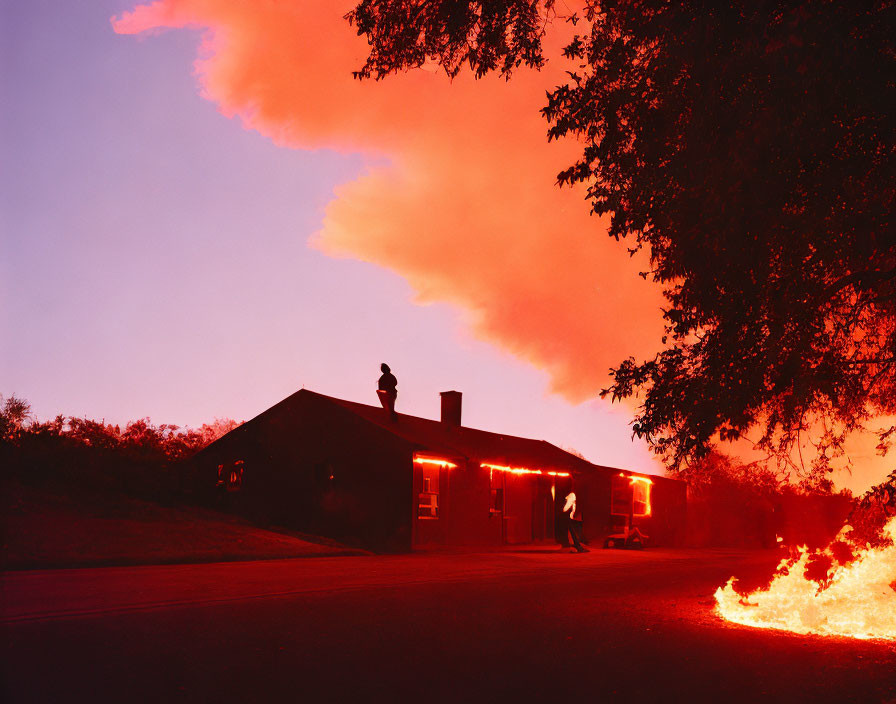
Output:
x=748 y=147
x=14 y=415
x=730 y=503
x=485 y=35
x=872 y=511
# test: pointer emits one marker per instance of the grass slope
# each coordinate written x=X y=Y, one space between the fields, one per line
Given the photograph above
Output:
x=51 y=527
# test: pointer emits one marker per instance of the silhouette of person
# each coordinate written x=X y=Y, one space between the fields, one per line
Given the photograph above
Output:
x=387 y=390
x=572 y=525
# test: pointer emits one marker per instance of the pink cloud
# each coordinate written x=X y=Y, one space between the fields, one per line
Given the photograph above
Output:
x=460 y=199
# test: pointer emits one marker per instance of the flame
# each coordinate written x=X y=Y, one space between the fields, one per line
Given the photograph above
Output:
x=522 y=470
x=857 y=600
x=439 y=462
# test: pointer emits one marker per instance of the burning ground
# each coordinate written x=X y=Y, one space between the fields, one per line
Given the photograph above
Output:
x=834 y=591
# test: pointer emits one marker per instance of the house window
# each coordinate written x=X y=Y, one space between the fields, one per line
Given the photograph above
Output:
x=497 y=501
x=428 y=499
x=230 y=477
x=496 y=484
x=621 y=498
x=630 y=495
x=641 y=498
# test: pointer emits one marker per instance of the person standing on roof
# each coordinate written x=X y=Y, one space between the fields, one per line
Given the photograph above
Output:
x=387 y=390
x=572 y=525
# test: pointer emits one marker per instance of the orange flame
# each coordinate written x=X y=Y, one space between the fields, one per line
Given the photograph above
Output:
x=858 y=601
x=522 y=470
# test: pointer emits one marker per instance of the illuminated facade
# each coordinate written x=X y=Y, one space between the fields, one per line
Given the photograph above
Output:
x=347 y=471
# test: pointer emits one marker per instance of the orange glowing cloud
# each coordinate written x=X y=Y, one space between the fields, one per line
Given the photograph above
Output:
x=459 y=198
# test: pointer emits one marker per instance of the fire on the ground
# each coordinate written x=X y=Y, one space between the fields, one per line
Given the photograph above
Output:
x=855 y=599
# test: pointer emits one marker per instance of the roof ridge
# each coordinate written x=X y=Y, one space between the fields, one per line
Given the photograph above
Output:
x=347 y=404
x=439 y=423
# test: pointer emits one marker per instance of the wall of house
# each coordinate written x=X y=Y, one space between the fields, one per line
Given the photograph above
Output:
x=593 y=505
x=464 y=509
x=314 y=466
x=668 y=522
x=665 y=526
x=478 y=507
x=528 y=512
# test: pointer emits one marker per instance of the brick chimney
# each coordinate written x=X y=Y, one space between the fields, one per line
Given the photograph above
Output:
x=451 y=407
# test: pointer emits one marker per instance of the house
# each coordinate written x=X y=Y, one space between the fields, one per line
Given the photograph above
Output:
x=348 y=471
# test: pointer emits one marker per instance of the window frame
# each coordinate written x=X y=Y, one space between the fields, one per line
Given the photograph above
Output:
x=432 y=503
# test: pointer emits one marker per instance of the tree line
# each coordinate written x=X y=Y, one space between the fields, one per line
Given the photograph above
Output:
x=138 y=458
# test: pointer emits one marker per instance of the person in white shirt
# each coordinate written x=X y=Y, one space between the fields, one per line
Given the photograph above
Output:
x=573 y=526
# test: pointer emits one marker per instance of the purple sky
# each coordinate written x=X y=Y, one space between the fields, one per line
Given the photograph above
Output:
x=155 y=261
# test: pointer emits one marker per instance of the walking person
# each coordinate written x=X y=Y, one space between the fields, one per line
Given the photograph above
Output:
x=573 y=525
x=387 y=390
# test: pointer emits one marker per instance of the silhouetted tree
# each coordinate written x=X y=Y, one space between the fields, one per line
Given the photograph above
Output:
x=14 y=414
x=749 y=147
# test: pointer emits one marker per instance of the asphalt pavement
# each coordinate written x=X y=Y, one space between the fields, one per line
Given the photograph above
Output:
x=535 y=625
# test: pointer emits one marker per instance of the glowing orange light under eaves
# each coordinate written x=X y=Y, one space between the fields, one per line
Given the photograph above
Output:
x=438 y=462
x=522 y=470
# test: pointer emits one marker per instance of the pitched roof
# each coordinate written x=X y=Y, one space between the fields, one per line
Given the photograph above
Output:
x=470 y=443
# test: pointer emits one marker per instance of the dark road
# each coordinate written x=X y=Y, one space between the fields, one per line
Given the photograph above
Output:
x=510 y=626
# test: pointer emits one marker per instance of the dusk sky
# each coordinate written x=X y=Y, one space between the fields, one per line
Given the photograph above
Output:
x=203 y=212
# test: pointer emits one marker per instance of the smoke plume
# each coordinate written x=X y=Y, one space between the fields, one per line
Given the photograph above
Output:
x=459 y=195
